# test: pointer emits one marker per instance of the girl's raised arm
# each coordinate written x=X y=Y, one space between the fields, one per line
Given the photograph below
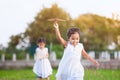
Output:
x=62 y=41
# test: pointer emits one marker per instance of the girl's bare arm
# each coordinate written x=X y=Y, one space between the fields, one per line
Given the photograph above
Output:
x=47 y=55
x=84 y=53
x=61 y=40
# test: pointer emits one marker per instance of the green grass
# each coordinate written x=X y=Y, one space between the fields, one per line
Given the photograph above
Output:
x=27 y=74
x=102 y=74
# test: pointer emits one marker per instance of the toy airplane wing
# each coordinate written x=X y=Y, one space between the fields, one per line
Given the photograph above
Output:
x=56 y=19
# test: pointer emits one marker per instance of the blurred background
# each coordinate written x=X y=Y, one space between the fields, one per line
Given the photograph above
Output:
x=23 y=22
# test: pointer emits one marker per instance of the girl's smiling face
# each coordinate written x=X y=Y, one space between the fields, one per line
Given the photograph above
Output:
x=41 y=45
x=74 y=39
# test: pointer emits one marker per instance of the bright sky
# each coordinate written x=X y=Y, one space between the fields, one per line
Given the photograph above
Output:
x=15 y=15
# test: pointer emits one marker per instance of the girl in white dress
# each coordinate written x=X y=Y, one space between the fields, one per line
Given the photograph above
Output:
x=70 y=67
x=42 y=67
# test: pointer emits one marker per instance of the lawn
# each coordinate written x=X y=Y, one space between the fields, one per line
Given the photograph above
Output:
x=27 y=74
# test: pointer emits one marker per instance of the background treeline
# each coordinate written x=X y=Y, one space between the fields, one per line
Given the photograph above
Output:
x=97 y=32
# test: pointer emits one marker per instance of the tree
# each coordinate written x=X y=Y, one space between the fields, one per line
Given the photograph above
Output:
x=97 y=31
x=43 y=28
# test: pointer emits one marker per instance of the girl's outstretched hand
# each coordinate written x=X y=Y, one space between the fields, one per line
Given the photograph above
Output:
x=96 y=63
x=55 y=25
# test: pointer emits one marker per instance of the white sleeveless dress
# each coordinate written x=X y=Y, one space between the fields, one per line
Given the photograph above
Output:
x=42 y=67
x=70 y=67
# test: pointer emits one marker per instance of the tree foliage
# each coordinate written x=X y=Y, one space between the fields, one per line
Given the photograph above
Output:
x=41 y=27
x=97 y=32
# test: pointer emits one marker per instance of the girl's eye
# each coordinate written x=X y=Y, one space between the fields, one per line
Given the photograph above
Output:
x=73 y=39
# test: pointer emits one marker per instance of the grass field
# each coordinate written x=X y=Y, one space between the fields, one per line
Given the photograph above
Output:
x=27 y=74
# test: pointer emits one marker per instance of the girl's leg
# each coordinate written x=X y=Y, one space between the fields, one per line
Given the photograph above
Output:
x=47 y=78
